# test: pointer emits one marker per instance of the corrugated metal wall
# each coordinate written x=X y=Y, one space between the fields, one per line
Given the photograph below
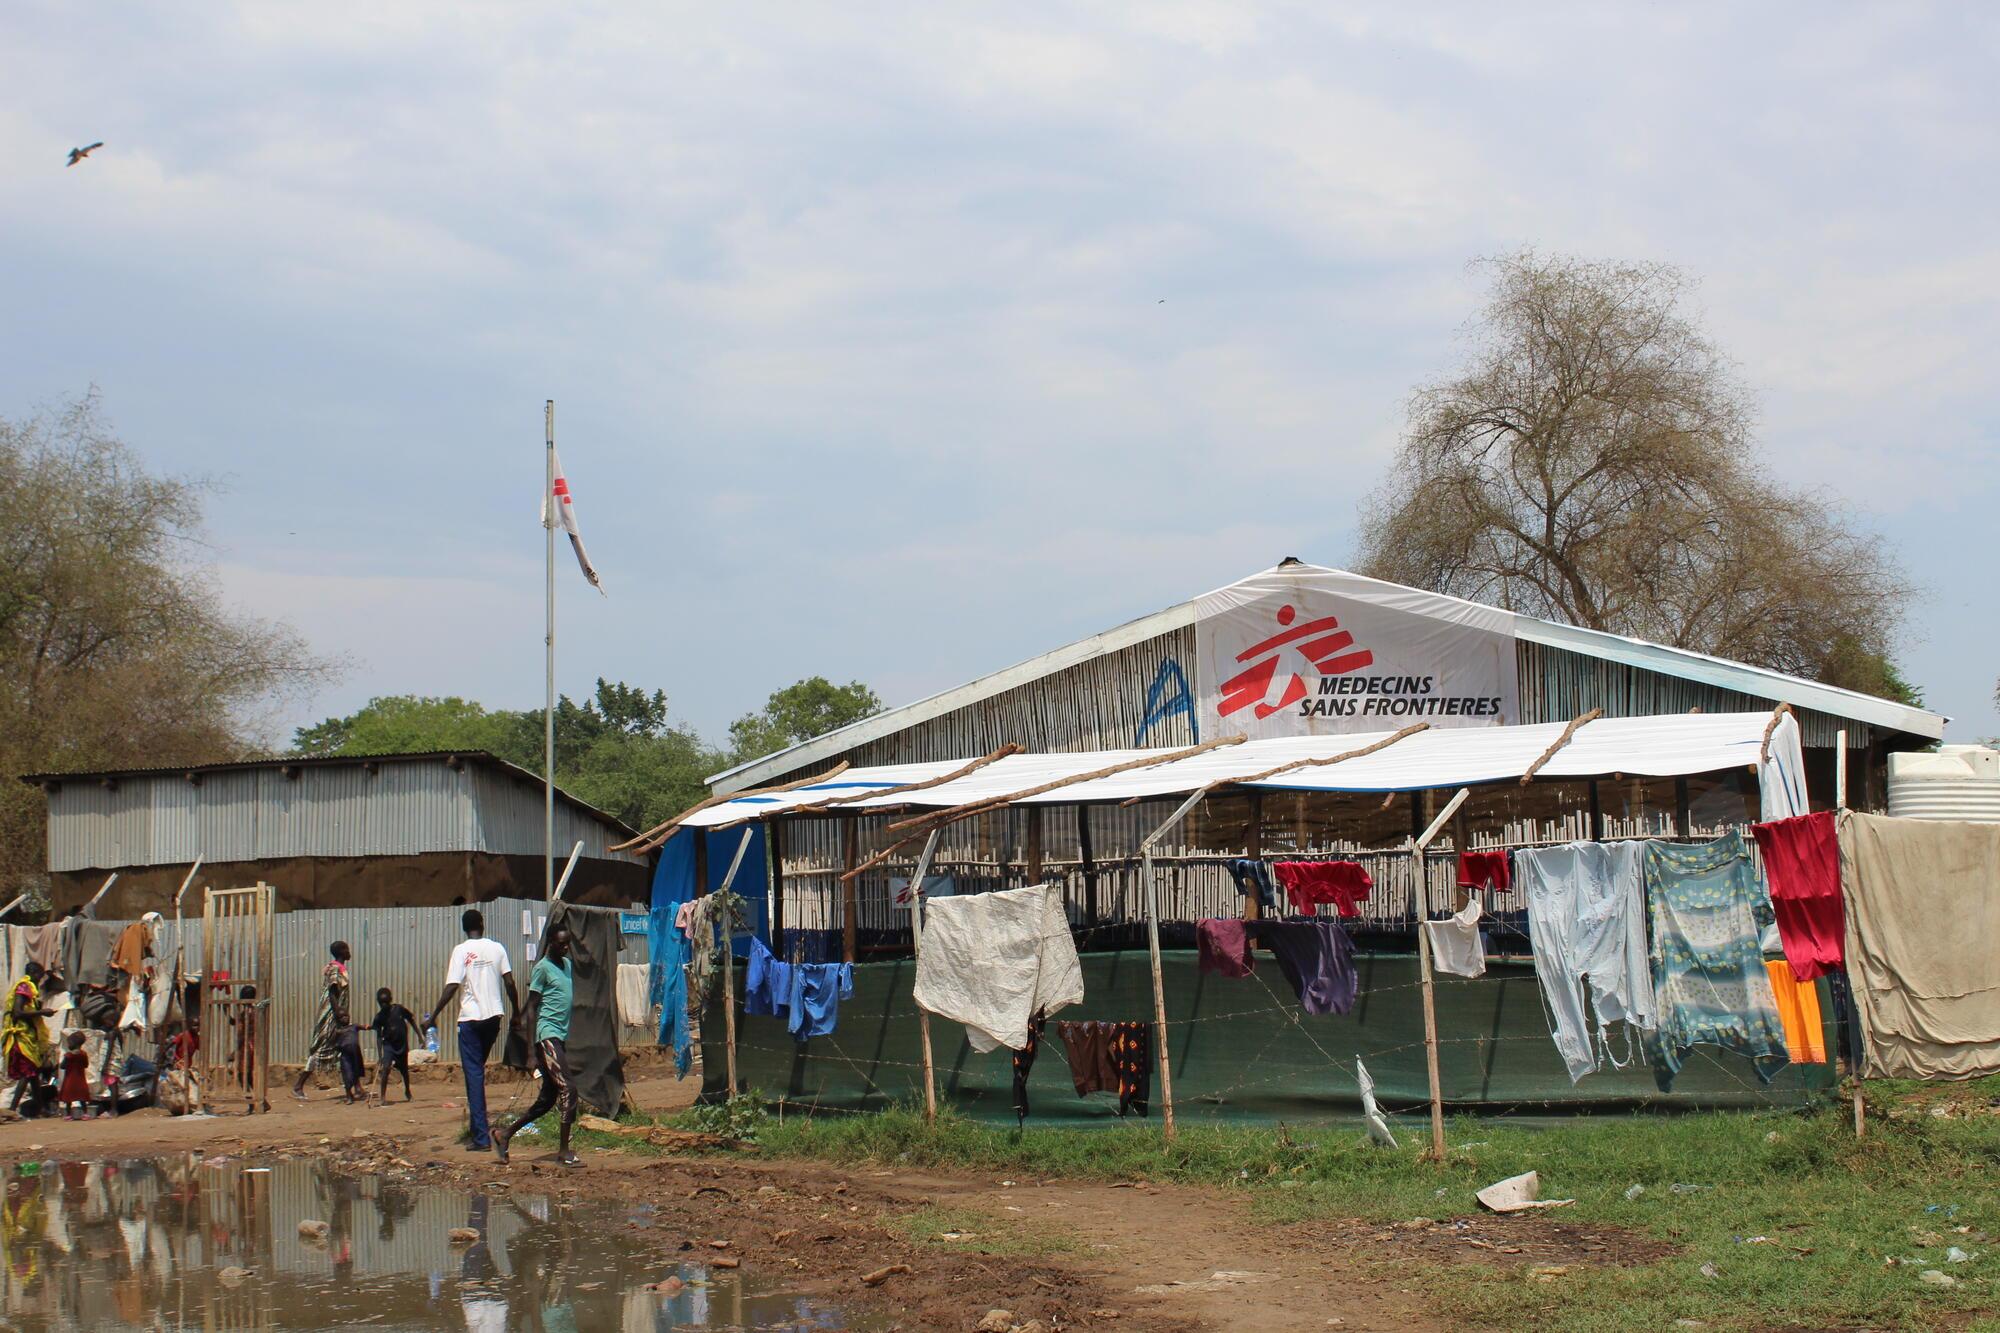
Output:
x=401 y=809
x=403 y=948
x=1102 y=704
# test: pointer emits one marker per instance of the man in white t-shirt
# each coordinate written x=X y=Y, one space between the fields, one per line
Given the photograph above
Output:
x=480 y=973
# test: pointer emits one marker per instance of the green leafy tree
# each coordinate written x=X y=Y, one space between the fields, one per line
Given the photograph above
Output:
x=812 y=707
x=116 y=647
x=618 y=750
x=1595 y=462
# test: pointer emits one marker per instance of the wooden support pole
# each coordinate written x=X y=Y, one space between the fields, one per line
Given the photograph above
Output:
x=1561 y=741
x=774 y=908
x=1036 y=870
x=1840 y=803
x=1431 y=1034
x=659 y=833
x=850 y=852
x=1087 y=853
x=955 y=813
x=1153 y=954
x=1253 y=848
x=569 y=868
x=916 y=945
x=729 y=960
x=1417 y=846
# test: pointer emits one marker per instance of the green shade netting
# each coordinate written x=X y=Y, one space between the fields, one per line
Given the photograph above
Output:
x=1242 y=1050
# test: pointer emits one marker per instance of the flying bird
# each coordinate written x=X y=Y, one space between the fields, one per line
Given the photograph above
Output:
x=77 y=155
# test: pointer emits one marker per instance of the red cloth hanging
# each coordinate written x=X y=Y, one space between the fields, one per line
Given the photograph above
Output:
x=1802 y=865
x=1222 y=946
x=1477 y=869
x=1346 y=884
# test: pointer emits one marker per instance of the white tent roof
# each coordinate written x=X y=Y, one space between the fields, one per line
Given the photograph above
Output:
x=1668 y=746
x=1756 y=682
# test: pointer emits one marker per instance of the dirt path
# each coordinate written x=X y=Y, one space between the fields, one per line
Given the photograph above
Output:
x=1137 y=1259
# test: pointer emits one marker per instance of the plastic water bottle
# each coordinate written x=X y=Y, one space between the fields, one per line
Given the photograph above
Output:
x=431 y=1039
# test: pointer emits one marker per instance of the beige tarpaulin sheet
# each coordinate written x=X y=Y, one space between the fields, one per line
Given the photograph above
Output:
x=1923 y=943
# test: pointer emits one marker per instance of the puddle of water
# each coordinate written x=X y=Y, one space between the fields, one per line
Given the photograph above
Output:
x=161 y=1243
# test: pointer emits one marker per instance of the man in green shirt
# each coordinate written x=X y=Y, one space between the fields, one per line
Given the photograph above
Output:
x=547 y=1022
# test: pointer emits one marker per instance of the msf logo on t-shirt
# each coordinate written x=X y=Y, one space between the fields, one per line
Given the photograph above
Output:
x=1274 y=678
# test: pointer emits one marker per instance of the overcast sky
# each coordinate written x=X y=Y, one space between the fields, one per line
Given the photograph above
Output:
x=902 y=343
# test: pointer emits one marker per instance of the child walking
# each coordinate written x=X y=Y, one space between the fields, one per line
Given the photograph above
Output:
x=74 y=1095
x=392 y=1027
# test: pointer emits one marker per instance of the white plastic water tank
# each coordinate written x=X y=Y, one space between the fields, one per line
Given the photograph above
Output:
x=1954 y=782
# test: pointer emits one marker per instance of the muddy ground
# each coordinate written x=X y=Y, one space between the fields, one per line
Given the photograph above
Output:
x=1146 y=1258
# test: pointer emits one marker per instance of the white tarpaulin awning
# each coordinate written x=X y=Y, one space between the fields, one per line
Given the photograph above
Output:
x=1675 y=745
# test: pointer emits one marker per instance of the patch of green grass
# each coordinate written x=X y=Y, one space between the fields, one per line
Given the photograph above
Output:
x=1832 y=1209
x=969 y=1231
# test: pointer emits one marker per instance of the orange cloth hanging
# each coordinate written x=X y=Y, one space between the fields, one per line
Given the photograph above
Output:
x=1798 y=1010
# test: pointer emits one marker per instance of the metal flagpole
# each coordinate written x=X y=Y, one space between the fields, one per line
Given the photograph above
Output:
x=549 y=519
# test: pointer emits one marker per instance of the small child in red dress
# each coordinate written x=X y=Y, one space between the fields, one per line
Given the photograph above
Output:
x=74 y=1095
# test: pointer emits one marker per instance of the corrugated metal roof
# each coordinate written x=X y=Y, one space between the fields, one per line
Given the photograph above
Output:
x=415 y=805
x=305 y=762
x=1757 y=682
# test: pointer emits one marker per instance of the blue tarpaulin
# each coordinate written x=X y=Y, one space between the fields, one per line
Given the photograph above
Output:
x=674 y=884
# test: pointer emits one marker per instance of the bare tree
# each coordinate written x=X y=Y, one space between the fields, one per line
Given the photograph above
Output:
x=1594 y=464
x=115 y=647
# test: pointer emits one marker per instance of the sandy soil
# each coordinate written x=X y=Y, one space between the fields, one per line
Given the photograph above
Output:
x=1144 y=1258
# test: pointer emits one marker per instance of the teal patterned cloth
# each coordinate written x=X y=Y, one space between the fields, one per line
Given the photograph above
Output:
x=1705 y=901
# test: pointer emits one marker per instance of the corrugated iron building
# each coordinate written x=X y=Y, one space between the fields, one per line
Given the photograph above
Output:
x=404 y=830
x=1107 y=692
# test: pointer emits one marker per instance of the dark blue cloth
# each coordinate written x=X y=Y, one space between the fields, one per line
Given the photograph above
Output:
x=806 y=995
x=475 y=1043
x=767 y=983
x=1254 y=877
x=666 y=978
x=1317 y=957
x=817 y=990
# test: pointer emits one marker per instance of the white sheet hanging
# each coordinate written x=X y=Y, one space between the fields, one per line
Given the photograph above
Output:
x=990 y=960
x=1455 y=945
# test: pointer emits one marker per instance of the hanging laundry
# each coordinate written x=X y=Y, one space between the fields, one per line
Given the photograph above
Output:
x=1798 y=1012
x=1922 y=918
x=1253 y=877
x=1478 y=869
x=634 y=1008
x=814 y=1001
x=1313 y=883
x=1708 y=970
x=1024 y=1061
x=1111 y=1057
x=1802 y=866
x=990 y=960
x=1317 y=958
x=1222 y=946
x=767 y=982
x=806 y=995
x=1587 y=931
x=1455 y=945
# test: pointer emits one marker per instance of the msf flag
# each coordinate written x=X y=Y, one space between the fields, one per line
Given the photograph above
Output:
x=566 y=515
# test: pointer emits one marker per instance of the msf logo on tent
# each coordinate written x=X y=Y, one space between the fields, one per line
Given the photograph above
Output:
x=1320 y=646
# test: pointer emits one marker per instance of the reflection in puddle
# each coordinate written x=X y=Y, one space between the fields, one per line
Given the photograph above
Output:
x=173 y=1243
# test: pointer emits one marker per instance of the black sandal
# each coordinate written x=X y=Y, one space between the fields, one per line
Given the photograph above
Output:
x=569 y=1159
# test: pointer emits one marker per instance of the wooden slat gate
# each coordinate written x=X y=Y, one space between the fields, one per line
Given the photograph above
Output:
x=236 y=996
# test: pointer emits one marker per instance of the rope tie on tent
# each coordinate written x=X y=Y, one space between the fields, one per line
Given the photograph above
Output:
x=1270 y=773
x=659 y=833
x=1010 y=748
x=1562 y=740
